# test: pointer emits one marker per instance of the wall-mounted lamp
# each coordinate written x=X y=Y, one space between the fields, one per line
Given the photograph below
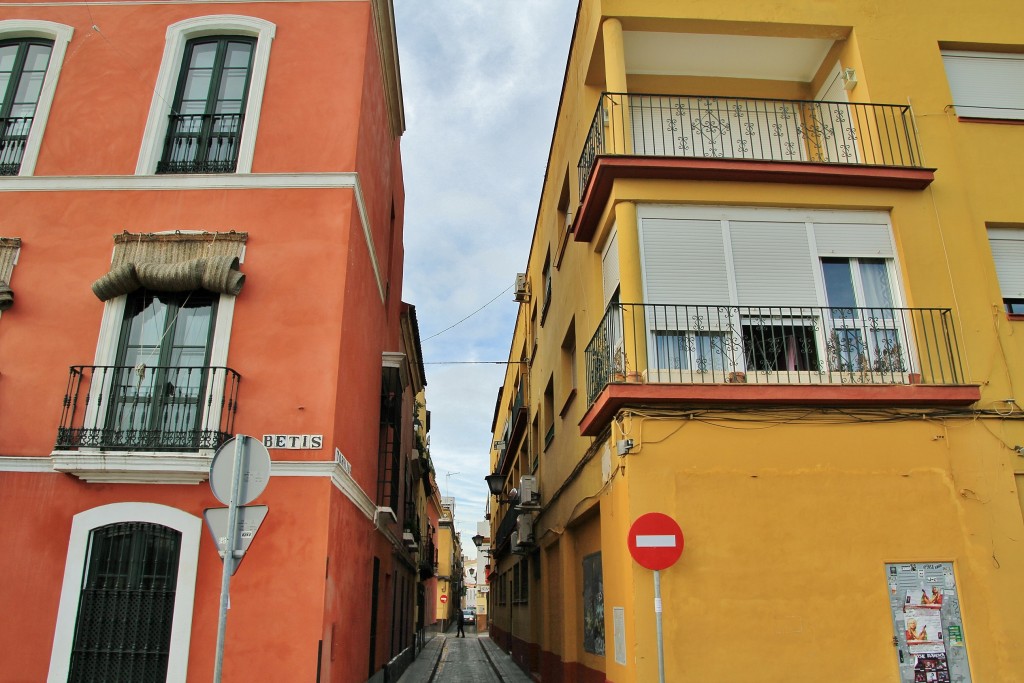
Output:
x=478 y=540
x=496 y=485
x=849 y=77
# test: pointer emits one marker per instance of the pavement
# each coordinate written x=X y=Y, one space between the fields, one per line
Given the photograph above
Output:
x=447 y=658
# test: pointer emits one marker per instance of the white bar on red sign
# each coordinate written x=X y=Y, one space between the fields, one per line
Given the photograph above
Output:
x=665 y=541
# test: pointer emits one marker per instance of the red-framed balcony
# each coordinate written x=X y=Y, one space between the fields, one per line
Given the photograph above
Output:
x=779 y=355
x=702 y=137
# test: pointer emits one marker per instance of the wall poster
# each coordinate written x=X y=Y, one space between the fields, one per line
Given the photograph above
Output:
x=593 y=605
x=926 y=617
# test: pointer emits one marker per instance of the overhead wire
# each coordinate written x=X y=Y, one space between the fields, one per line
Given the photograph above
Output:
x=454 y=325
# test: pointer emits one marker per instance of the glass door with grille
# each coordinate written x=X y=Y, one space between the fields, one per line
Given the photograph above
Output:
x=156 y=400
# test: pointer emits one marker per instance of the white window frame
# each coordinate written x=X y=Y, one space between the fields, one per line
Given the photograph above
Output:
x=110 y=336
x=82 y=526
x=976 y=72
x=178 y=35
x=810 y=218
x=1007 y=247
x=60 y=34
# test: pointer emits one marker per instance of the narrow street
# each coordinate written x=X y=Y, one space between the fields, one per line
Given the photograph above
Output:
x=473 y=659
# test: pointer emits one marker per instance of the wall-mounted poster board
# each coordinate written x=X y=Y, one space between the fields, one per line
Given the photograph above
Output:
x=926 y=617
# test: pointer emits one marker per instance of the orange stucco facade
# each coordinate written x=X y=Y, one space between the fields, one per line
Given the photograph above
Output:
x=314 y=334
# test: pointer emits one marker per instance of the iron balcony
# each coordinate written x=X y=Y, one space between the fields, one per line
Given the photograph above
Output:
x=14 y=132
x=797 y=345
x=201 y=143
x=144 y=408
x=751 y=129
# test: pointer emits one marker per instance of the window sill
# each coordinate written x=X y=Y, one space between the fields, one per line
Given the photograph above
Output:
x=1014 y=316
x=134 y=467
x=985 y=119
x=568 y=402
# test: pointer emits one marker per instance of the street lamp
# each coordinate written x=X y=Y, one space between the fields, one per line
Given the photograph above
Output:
x=478 y=541
x=496 y=484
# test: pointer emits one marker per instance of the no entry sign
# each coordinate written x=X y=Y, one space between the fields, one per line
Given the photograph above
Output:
x=655 y=541
x=444 y=599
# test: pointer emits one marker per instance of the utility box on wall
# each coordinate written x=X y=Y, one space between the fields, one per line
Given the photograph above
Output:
x=926 y=616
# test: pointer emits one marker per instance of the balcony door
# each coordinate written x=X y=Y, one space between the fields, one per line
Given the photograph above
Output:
x=863 y=331
x=205 y=127
x=23 y=65
x=160 y=377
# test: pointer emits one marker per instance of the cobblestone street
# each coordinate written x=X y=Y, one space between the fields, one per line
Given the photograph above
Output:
x=473 y=659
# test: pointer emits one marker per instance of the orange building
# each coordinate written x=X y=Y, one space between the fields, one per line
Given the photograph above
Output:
x=201 y=235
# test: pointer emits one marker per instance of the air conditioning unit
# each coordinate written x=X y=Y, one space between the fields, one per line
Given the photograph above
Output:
x=522 y=294
x=517 y=548
x=385 y=516
x=529 y=495
x=524 y=529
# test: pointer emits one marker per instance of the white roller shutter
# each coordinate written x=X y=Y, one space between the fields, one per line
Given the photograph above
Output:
x=986 y=84
x=1008 y=254
x=853 y=239
x=773 y=264
x=684 y=261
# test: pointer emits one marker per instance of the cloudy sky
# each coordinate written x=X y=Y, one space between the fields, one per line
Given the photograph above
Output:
x=481 y=81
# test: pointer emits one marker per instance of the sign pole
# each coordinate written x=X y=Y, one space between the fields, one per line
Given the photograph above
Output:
x=656 y=542
x=657 y=618
x=229 y=553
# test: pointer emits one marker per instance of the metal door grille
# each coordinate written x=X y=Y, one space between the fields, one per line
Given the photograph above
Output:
x=123 y=631
x=390 y=444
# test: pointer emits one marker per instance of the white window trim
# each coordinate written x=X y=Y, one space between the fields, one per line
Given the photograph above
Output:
x=1005 y=245
x=167 y=80
x=82 y=525
x=61 y=36
x=110 y=333
x=978 y=75
x=726 y=214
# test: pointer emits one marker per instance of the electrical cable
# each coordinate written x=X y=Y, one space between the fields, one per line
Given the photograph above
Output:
x=437 y=334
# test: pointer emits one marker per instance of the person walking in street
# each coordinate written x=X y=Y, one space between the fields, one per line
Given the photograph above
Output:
x=462 y=623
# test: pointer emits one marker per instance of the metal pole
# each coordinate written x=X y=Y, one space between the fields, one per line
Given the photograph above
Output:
x=657 y=617
x=229 y=553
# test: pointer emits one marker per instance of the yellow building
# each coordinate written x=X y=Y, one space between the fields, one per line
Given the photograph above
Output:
x=774 y=292
x=449 y=565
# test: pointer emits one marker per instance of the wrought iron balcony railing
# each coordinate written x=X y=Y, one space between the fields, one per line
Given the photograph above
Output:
x=142 y=408
x=701 y=126
x=653 y=343
x=201 y=143
x=13 y=134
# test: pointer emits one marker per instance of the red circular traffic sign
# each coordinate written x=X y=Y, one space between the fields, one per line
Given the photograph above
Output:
x=444 y=599
x=655 y=541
